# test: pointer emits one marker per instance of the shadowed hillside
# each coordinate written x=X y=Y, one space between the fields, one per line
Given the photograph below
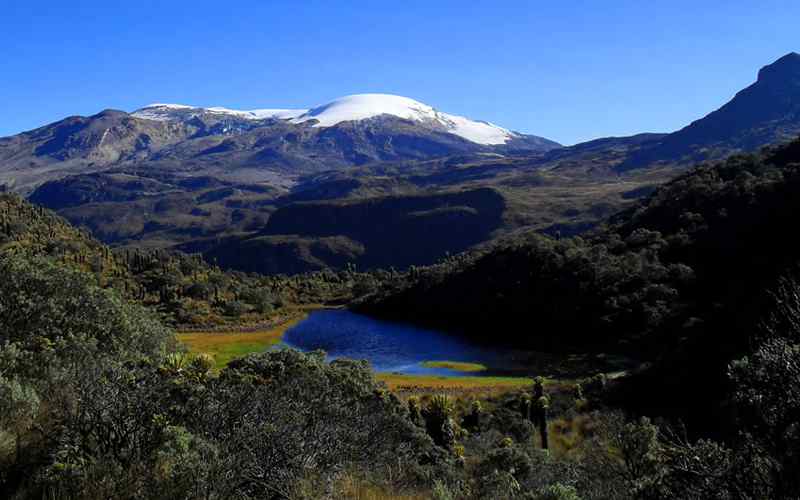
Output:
x=682 y=280
x=371 y=233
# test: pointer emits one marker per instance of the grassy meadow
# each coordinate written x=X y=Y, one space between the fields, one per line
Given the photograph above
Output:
x=458 y=366
x=227 y=346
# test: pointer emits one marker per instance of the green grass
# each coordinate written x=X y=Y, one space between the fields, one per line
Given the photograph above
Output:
x=457 y=366
x=225 y=347
x=398 y=381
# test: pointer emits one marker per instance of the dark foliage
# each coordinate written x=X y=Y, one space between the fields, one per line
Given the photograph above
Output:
x=680 y=280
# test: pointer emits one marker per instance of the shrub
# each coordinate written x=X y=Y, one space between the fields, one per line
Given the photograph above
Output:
x=235 y=308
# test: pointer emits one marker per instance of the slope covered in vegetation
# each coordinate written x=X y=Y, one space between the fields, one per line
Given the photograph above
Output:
x=683 y=280
x=186 y=290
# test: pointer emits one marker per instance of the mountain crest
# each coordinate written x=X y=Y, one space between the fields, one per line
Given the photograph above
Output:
x=357 y=107
x=766 y=112
x=787 y=67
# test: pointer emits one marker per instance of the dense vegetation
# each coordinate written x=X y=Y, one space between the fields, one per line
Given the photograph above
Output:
x=184 y=288
x=643 y=283
x=95 y=402
x=701 y=274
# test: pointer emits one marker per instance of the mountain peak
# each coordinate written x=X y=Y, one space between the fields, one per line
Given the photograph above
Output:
x=365 y=106
x=785 y=67
x=354 y=107
x=766 y=112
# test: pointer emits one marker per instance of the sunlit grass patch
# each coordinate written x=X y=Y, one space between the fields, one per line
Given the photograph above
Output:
x=7 y=447
x=227 y=346
x=458 y=366
x=352 y=487
x=422 y=384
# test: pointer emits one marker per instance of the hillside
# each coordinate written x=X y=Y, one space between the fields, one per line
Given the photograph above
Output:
x=766 y=112
x=683 y=280
x=183 y=289
x=28 y=229
x=370 y=233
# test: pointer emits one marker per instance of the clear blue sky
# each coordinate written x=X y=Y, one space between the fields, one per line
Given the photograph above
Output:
x=570 y=71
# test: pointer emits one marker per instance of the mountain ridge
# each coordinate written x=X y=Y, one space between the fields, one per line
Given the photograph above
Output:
x=765 y=112
x=261 y=146
x=355 y=107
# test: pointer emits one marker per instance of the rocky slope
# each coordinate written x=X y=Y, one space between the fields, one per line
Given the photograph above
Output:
x=272 y=146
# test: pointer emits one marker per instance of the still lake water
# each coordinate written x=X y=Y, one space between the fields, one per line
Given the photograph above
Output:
x=389 y=347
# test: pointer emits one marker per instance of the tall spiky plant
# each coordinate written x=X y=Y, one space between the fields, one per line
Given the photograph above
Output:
x=438 y=421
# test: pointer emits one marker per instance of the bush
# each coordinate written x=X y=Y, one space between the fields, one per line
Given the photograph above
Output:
x=235 y=308
x=261 y=299
x=556 y=491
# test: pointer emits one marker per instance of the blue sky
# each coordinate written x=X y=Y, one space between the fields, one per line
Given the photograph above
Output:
x=570 y=71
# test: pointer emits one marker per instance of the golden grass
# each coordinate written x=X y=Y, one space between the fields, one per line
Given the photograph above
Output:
x=458 y=366
x=7 y=447
x=420 y=385
x=227 y=346
x=354 y=488
x=568 y=433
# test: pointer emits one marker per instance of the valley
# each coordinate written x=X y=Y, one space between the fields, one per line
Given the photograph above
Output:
x=253 y=184
x=372 y=298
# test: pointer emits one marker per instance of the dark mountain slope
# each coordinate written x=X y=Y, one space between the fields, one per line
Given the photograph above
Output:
x=155 y=209
x=376 y=232
x=682 y=280
x=764 y=113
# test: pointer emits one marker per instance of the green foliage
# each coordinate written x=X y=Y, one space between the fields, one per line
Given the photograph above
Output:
x=175 y=362
x=202 y=363
x=64 y=318
x=186 y=465
x=262 y=300
x=556 y=491
x=680 y=280
x=415 y=411
x=235 y=308
x=472 y=420
x=439 y=422
x=19 y=407
x=638 y=446
x=441 y=491
x=147 y=432
x=767 y=389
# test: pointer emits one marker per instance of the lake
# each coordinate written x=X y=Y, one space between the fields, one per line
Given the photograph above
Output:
x=388 y=346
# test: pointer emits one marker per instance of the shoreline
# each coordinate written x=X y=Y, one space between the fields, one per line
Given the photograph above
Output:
x=229 y=344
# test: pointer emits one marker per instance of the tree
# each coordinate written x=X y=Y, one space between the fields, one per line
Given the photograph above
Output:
x=19 y=405
x=767 y=389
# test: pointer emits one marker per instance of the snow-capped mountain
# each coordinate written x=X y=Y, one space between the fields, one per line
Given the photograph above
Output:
x=365 y=106
x=357 y=107
x=272 y=145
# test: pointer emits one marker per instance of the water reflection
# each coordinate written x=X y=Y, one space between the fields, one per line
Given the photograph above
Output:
x=389 y=347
